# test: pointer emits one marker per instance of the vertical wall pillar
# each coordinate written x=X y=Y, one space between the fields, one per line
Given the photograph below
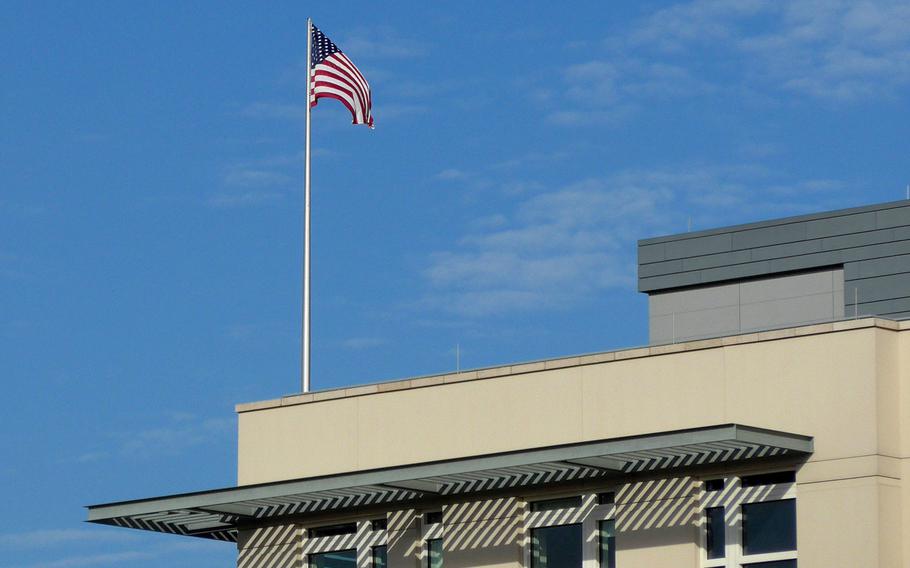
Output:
x=276 y=546
x=657 y=524
x=403 y=539
x=486 y=533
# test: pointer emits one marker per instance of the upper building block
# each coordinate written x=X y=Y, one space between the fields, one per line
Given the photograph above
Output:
x=778 y=273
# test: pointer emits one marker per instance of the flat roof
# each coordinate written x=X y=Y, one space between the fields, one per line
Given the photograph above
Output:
x=775 y=222
x=219 y=514
x=572 y=361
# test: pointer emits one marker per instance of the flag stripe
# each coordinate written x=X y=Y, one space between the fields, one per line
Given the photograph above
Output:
x=351 y=82
x=334 y=74
x=343 y=96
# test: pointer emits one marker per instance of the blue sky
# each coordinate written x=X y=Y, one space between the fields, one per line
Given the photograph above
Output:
x=150 y=207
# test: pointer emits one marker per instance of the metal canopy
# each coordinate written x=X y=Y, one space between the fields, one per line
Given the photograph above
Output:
x=216 y=514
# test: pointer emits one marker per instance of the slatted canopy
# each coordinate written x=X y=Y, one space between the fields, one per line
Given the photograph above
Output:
x=217 y=514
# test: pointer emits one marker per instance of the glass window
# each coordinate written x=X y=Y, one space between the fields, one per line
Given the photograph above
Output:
x=556 y=547
x=768 y=478
x=434 y=553
x=553 y=504
x=607 y=530
x=337 y=559
x=378 y=524
x=769 y=526
x=380 y=557
x=714 y=485
x=433 y=517
x=333 y=530
x=716 y=537
x=775 y=564
x=606 y=498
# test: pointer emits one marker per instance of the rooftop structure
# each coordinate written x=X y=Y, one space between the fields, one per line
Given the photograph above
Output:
x=784 y=272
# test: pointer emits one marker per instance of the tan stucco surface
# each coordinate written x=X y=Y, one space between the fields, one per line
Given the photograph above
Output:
x=841 y=387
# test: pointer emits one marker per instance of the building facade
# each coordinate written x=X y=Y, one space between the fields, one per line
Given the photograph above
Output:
x=766 y=448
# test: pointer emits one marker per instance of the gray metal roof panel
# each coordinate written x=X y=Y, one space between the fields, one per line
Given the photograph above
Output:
x=886 y=219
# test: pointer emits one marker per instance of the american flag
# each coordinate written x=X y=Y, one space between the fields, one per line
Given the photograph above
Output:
x=333 y=76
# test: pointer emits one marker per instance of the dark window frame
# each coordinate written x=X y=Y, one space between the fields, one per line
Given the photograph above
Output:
x=711 y=533
x=311 y=563
x=579 y=526
x=556 y=504
x=429 y=554
x=336 y=529
x=744 y=526
x=771 y=478
x=373 y=550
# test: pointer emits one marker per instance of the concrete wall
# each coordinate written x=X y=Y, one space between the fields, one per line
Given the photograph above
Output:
x=726 y=309
x=847 y=384
x=872 y=244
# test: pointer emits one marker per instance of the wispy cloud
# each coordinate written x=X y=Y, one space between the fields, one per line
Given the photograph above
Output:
x=80 y=547
x=174 y=434
x=492 y=175
x=559 y=249
x=283 y=111
x=380 y=42
x=242 y=199
x=256 y=181
x=250 y=177
x=361 y=343
x=180 y=433
x=104 y=559
x=832 y=49
x=55 y=537
x=840 y=51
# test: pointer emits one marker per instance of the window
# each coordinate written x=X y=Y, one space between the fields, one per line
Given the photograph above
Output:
x=434 y=553
x=769 y=526
x=556 y=547
x=433 y=517
x=768 y=478
x=553 y=504
x=716 y=537
x=607 y=537
x=572 y=532
x=379 y=557
x=337 y=559
x=749 y=528
x=714 y=485
x=333 y=530
x=378 y=524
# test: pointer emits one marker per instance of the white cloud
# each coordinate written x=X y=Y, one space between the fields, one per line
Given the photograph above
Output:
x=243 y=199
x=275 y=110
x=179 y=433
x=561 y=248
x=174 y=434
x=117 y=558
x=834 y=50
x=257 y=181
x=361 y=343
x=249 y=177
x=452 y=174
x=393 y=111
x=379 y=43
x=54 y=537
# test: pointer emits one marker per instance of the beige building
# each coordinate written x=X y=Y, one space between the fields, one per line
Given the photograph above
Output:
x=767 y=449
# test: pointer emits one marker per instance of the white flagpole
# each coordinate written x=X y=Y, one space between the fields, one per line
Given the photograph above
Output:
x=305 y=323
